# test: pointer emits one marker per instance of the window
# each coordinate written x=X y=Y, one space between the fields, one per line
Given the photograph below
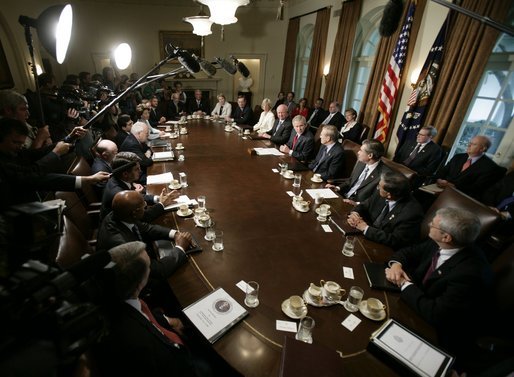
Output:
x=365 y=47
x=492 y=108
x=303 y=53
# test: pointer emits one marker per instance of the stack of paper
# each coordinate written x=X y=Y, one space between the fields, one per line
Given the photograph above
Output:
x=268 y=152
x=182 y=199
x=162 y=156
x=159 y=179
x=322 y=193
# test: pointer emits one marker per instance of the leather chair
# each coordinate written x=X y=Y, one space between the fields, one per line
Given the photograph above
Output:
x=364 y=133
x=257 y=110
x=317 y=139
x=410 y=174
x=72 y=245
x=350 y=149
x=86 y=221
x=82 y=168
x=451 y=197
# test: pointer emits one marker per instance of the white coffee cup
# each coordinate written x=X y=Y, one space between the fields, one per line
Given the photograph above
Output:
x=296 y=304
x=247 y=132
x=183 y=208
x=317 y=177
x=333 y=290
x=314 y=292
x=375 y=306
x=179 y=145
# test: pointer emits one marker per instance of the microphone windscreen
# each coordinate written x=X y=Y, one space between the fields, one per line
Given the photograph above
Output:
x=207 y=67
x=227 y=66
x=189 y=63
x=242 y=69
x=391 y=18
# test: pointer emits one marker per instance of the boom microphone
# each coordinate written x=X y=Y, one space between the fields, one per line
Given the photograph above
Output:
x=228 y=67
x=75 y=275
x=391 y=18
x=184 y=57
x=241 y=67
x=207 y=67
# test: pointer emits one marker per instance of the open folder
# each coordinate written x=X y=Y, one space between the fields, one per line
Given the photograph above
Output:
x=396 y=344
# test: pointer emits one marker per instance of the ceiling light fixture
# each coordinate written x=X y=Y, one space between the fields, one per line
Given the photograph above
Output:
x=223 y=11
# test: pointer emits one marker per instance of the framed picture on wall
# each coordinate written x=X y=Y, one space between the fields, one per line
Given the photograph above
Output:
x=183 y=39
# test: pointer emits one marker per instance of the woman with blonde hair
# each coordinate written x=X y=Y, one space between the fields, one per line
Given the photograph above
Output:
x=266 y=119
x=223 y=109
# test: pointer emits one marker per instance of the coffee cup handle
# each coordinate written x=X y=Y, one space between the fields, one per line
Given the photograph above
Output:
x=343 y=291
x=322 y=282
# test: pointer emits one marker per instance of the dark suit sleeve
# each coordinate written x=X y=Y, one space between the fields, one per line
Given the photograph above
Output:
x=283 y=136
x=335 y=167
x=354 y=134
x=305 y=152
x=404 y=231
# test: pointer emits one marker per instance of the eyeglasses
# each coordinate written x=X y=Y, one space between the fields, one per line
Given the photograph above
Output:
x=431 y=225
x=420 y=134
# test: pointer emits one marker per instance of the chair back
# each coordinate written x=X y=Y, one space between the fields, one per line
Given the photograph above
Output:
x=410 y=174
x=451 y=197
x=82 y=168
x=317 y=139
x=257 y=110
x=72 y=245
x=77 y=213
x=350 y=149
x=364 y=133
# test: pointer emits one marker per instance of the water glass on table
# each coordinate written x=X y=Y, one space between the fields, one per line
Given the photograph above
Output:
x=297 y=180
x=354 y=299
x=218 y=241
x=210 y=233
x=183 y=179
x=201 y=201
x=252 y=294
x=348 y=247
x=305 y=328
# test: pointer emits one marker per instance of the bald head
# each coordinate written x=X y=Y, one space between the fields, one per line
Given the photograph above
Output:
x=107 y=149
x=128 y=206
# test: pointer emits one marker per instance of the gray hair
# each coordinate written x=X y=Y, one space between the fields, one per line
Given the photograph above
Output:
x=330 y=131
x=130 y=267
x=461 y=224
x=10 y=99
x=432 y=131
x=300 y=119
x=138 y=127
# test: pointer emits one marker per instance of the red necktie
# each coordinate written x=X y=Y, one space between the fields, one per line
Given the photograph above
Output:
x=295 y=140
x=173 y=337
x=432 y=267
x=466 y=165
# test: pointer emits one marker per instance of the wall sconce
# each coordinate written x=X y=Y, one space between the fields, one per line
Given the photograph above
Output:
x=123 y=56
x=414 y=77
x=326 y=70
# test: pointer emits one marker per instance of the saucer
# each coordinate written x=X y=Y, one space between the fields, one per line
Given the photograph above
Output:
x=179 y=148
x=183 y=133
x=287 y=310
x=288 y=176
x=173 y=136
x=203 y=226
x=300 y=209
x=316 y=180
x=328 y=213
x=179 y=186
x=186 y=214
x=363 y=308
x=228 y=129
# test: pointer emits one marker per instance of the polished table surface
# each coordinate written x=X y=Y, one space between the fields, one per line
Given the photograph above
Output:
x=267 y=240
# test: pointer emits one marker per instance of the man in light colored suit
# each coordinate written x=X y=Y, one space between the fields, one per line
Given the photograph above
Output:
x=330 y=159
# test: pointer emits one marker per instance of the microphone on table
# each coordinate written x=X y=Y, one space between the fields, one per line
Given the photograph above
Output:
x=205 y=66
x=184 y=57
x=391 y=18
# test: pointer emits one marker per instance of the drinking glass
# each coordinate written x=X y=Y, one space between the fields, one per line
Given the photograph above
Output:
x=348 y=247
x=354 y=299
x=252 y=294
x=210 y=233
x=283 y=168
x=183 y=179
x=297 y=180
x=201 y=201
x=218 y=241
x=305 y=329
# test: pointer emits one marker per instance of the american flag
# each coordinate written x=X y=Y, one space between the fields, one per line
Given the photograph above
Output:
x=419 y=101
x=392 y=77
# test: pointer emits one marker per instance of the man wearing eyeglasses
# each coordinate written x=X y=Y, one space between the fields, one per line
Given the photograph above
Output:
x=444 y=278
x=421 y=155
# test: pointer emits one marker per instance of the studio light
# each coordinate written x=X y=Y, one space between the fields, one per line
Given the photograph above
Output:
x=53 y=29
x=123 y=56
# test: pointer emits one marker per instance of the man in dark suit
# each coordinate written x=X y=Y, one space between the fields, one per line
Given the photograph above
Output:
x=282 y=127
x=318 y=114
x=136 y=143
x=105 y=152
x=139 y=342
x=471 y=172
x=334 y=117
x=124 y=224
x=175 y=108
x=301 y=142
x=155 y=113
x=242 y=114
x=421 y=155
x=365 y=176
x=127 y=172
x=329 y=161
x=198 y=106
x=442 y=278
x=124 y=127
x=391 y=215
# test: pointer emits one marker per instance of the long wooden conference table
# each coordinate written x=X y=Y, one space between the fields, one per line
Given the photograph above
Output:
x=268 y=241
